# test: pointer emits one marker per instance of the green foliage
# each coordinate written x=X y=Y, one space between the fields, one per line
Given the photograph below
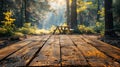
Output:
x=42 y=31
x=102 y=32
x=102 y=12
x=27 y=29
x=84 y=29
x=24 y=30
x=2 y=31
x=8 y=27
x=116 y=8
x=116 y=11
x=18 y=34
x=98 y=28
x=82 y=5
x=52 y=28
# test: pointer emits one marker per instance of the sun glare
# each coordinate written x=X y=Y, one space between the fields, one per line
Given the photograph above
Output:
x=57 y=3
x=61 y=2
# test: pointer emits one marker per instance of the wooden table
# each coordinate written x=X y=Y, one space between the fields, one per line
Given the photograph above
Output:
x=60 y=50
x=63 y=30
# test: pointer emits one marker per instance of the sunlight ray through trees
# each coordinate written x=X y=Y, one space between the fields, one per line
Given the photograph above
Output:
x=44 y=14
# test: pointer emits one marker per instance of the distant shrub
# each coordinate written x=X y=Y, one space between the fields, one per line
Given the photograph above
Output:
x=27 y=29
x=27 y=25
x=83 y=29
x=23 y=30
x=3 y=31
x=42 y=31
x=18 y=34
x=99 y=27
x=102 y=12
x=102 y=32
x=64 y=24
x=8 y=26
x=52 y=28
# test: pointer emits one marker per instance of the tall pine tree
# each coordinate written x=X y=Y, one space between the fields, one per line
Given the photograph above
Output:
x=68 y=12
x=109 y=26
x=74 y=14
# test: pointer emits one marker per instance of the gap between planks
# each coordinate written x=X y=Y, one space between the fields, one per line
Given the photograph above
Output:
x=111 y=51
x=60 y=50
x=93 y=56
x=49 y=54
x=22 y=57
x=70 y=54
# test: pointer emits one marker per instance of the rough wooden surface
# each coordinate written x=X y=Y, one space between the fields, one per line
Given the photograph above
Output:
x=47 y=56
x=70 y=54
x=93 y=56
x=60 y=50
x=111 y=51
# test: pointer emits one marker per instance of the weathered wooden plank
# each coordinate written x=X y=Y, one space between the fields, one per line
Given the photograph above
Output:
x=24 y=56
x=63 y=50
x=10 y=49
x=108 y=49
x=70 y=54
x=49 y=54
x=94 y=57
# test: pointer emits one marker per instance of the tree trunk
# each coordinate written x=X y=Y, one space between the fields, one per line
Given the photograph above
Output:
x=3 y=5
x=25 y=7
x=81 y=18
x=74 y=15
x=98 y=9
x=68 y=12
x=1 y=11
x=109 y=32
x=22 y=13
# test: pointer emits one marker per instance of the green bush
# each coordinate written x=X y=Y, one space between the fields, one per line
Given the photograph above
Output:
x=24 y=30
x=6 y=31
x=52 y=28
x=83 y=29
x=27 y=29
x=102 y=32
x=2 y=31
x=99 y=27
x=18 y=34
x=8 y=27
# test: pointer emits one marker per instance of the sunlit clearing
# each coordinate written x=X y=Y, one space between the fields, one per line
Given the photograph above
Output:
x=57 y=3
x=42 y=31
x=64 y=24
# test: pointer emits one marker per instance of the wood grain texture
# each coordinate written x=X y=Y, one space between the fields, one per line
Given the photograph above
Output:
x=23 y=56
x=60 y=50
x=94 y=57
x=49 y=54
x=70 y=54
x=108 y=49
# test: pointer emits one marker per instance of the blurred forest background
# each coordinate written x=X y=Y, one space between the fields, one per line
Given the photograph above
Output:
x=21 y=17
